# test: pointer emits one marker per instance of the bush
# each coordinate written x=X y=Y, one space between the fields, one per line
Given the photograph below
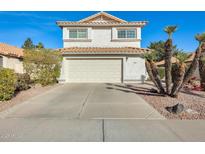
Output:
x=161 y=72
x=43 y=66
x=7 y=84
x=23 y=82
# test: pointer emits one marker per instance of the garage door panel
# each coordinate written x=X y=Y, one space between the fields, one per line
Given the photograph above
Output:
x=94 y=70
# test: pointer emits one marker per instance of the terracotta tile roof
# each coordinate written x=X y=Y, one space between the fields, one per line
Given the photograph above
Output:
x=173 y=60
x=104 y=50
x=102 y=14
x=101 y=19
x=94 y=23
x=9 y=50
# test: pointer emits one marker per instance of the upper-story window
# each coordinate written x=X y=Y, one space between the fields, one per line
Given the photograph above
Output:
x=78 y=33
x=126 y=33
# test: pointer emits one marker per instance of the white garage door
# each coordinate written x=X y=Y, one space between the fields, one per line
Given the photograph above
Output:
x=94 y=70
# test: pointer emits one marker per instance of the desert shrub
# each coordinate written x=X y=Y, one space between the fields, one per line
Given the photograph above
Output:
x=43 y=66
x=7 y=83
x=161 y=72
x=23 y=82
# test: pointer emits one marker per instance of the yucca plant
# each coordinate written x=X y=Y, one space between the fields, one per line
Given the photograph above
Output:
x=168 y=55
x=195 y=62
x=151 y=76
x=202 y=71
x=201 y=38
x=157 y=77
x=180 y=68
x=181 y=75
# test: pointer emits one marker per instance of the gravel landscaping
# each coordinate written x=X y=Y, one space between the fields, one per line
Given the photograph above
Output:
x=24 y=95
x=193 y=101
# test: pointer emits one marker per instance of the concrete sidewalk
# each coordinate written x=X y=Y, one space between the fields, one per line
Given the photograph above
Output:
x=43 y=129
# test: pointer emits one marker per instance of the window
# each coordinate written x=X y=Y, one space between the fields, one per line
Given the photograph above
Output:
x=78 y=33
x=129 y=33
x=1 y=61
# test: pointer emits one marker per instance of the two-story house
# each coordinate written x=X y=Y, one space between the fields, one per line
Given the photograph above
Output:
x=102 y=48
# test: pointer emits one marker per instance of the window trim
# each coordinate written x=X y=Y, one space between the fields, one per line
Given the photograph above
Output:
x=127 y=38
x=77 y=29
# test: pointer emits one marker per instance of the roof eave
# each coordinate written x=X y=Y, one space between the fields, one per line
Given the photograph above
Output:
x=102 y=53
x=128 y=24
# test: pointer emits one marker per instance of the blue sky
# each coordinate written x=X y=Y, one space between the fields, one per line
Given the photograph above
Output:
x=15 y=27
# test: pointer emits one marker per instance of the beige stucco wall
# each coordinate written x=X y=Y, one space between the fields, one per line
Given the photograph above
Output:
x=133 y=67
x=13 y=63
x=101 y=37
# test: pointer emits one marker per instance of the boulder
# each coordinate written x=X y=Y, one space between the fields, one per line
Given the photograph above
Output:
x=176 y=109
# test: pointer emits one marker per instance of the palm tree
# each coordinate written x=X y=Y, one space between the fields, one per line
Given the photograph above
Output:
x=168 y=55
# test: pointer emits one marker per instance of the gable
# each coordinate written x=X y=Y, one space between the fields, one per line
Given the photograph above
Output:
x=102 y=17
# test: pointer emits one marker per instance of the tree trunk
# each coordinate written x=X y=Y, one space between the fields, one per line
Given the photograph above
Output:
x=168 y=65
x=157 y=77
x=151 y=76
x=178 y=79
x=192 y=68
x=202 y=71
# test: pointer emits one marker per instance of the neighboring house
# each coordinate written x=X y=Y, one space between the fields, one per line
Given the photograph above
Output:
x=175 y=60
x=162 y=62
x=102 y=48
x=11 y=57
x=188 y=61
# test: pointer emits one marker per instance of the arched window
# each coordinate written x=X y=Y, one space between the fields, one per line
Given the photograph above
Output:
x=1 y=61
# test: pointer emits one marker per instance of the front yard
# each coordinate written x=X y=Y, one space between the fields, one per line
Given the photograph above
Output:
x=193 y=101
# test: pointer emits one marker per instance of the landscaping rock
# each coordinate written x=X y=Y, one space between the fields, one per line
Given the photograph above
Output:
x=176 y=109
x=192 y=111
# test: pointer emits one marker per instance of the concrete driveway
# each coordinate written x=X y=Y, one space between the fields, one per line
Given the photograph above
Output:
x=93 y=112
x=85 y=101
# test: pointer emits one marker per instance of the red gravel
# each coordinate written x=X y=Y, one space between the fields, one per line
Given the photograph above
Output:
x=23 y=96
x=192 y=100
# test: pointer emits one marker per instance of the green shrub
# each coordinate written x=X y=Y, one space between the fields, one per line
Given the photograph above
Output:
x=43 y=66
x=161 y=72
x=23 y=82
x=7 y=84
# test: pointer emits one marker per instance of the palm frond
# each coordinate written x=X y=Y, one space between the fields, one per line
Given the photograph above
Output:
x=170 y=30
x=181 y=56
x=200 y=37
